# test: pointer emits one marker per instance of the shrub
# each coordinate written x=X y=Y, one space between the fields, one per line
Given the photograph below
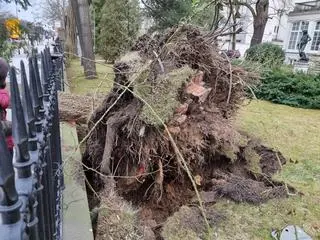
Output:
x=118 y=27
x=268 y=54
x=286 y=87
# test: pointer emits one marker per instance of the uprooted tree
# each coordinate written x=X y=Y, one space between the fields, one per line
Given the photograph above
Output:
x=170 y=110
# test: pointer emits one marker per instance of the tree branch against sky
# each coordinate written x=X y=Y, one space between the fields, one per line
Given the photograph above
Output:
x=262 y=11
x=54 y=10
x=23 y=3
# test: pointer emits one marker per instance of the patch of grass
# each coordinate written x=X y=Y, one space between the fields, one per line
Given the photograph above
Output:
x=117 y=218
x=187 y=223
x=162 y=95
x=296 y=133
x=253 y=160
x=80 y=85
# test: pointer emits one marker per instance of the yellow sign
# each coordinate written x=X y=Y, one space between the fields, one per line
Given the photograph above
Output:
x=13 y=27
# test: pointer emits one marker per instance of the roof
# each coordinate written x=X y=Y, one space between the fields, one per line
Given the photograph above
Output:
x=307 y=6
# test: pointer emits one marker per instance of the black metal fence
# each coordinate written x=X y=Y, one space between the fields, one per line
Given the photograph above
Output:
x=31 y=182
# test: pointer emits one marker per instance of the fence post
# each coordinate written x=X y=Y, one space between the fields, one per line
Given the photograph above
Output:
x=38 y=84
x=11 y=225
x=44 y=79
x=22 y=161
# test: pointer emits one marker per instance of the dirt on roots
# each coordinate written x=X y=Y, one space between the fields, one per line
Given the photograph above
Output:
x=180 y=79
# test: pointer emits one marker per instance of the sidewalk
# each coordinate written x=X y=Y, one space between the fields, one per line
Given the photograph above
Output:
x=76 y=220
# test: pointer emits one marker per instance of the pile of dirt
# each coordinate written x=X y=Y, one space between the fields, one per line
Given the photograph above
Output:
x=178 y=79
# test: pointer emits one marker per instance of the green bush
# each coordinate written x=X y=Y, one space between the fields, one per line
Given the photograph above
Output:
x=286 y=87
x=118 y=27
x=268 y=54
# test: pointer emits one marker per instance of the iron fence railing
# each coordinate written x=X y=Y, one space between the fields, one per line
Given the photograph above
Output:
x=31 y=182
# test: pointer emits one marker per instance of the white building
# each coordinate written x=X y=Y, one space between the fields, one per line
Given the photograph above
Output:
x=275 y=30
x=305 y=16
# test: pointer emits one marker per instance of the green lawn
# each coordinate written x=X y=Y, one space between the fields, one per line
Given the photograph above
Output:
x=79 y=85
x=296 y=133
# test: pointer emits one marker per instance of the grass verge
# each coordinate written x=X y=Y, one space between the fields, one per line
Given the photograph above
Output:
x=78 y=84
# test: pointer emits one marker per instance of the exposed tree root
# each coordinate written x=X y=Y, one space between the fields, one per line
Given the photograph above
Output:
x=173 y=122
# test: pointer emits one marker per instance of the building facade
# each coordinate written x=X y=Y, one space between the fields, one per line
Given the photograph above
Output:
x=275 y=30
x=305 y=16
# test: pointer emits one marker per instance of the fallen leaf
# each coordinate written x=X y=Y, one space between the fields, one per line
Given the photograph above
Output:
x=198 y=180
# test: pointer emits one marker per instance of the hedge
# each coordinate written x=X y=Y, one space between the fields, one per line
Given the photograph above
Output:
x=289 y=88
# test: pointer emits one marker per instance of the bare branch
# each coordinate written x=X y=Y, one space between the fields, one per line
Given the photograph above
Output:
x=239 y=30
x=247 y=5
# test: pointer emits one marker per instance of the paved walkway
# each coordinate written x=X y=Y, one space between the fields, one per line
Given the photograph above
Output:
x=76 y=220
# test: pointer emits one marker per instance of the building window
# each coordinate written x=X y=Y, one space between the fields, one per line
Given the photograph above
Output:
x=316 y=38
x=296 y=33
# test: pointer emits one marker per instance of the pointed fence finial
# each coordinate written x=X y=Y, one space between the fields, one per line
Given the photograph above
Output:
x=19 y=130
x=34 y=90
x=27 y=101
x=44 y=72
x=29 y=110
x=38 y=81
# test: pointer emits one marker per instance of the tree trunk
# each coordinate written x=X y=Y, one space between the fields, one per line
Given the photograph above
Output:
x=85 y=36
x=74 y=6
x=259 y=21
x=71 y=35
x=234 y=28
x=215 y=21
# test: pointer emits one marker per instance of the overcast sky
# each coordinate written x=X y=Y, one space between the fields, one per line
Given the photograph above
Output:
x=34 y=13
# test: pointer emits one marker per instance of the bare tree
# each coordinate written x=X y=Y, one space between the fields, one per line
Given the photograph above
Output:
x=279 y=9
x=260 y=13
x=234 y=15
x=82 y=15
x=55 y=10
